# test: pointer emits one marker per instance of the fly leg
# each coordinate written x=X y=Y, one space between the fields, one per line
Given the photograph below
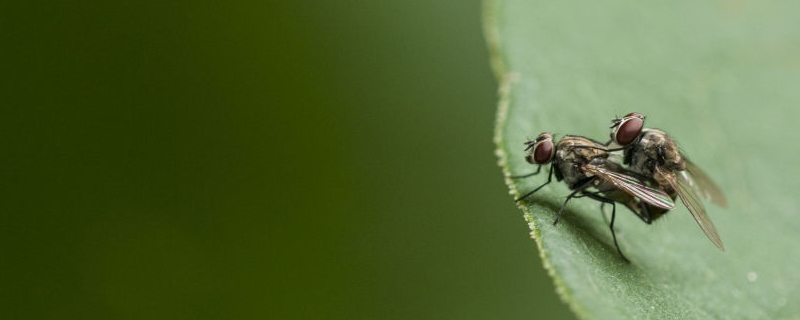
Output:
x=603 y=211
x=549 y=178
x=580 y=187
x=529 y=174
x=613 y=216
x=641 y=209
x=603 y=201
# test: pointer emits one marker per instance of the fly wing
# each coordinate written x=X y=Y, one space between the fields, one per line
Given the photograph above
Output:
x=632 y=186
x=704 y=185
x=682 y=183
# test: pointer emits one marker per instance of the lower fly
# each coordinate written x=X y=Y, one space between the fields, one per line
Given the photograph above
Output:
x=583 y=165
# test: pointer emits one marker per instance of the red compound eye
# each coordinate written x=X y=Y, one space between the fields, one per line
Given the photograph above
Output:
x=543 y=152
x=629 y=128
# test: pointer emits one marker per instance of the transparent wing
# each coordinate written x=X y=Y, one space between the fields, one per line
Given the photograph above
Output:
x=633 y=186
x=682 y=183
x=704 y=185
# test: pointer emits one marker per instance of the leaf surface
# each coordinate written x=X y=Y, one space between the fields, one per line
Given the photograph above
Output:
x=722 y=79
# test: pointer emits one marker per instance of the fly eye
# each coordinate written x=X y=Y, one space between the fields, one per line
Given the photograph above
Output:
x=542 y=152
x=628 y=129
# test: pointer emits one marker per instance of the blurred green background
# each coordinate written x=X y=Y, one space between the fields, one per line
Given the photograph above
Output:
x=263 y=160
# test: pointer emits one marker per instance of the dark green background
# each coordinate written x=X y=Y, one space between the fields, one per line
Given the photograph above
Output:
x=298 y=160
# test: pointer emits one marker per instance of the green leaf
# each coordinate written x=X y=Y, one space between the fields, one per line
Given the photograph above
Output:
x=721 y=77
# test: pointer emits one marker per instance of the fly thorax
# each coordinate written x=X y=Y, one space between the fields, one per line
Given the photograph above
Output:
x=672 y=159
x=572 y=153
x=565 y=154
x=642 y=160
x=675 y=164
x=650 y=151
x=571 y=172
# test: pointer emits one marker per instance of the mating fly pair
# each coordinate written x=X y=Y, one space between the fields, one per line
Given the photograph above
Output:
x=655 y=175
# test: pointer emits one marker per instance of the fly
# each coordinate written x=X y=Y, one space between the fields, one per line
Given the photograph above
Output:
x=582 y=164
x=653 y=154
